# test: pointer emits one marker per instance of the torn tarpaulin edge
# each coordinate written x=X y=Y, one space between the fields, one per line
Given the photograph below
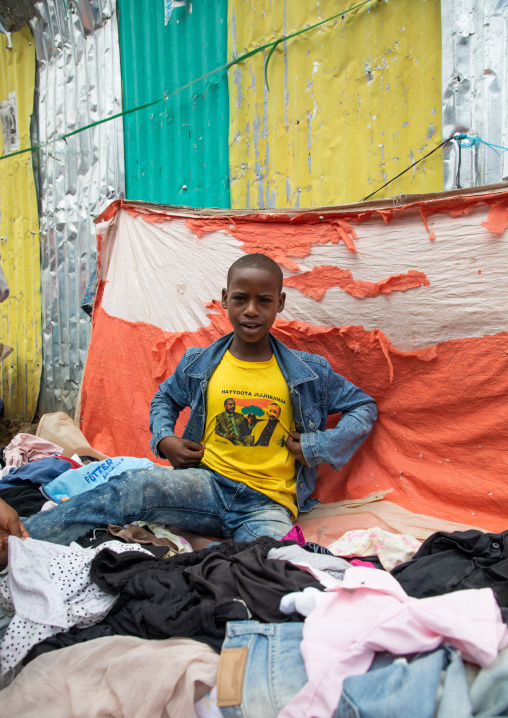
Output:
x=323 y=277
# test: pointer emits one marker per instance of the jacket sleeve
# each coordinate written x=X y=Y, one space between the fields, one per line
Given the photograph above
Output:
x=168 y=402
x=359 y=413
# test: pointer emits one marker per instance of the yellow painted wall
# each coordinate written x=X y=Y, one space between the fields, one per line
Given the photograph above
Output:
x=19 y=238
x=351 y=104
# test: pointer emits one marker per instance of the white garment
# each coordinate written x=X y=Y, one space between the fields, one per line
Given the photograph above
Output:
x=369 y=611
x=391 y=549
x=207 y=707
x=49 y=588
x=302 y=602
x=48 y=505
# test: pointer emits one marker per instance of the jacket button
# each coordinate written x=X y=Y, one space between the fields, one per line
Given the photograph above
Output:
x=301 y=484
x=311 y=425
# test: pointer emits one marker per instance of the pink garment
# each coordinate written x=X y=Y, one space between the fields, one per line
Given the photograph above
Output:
x=115 y=676
x=369 y=611
x=296 y=534
x=357 y=562
x=25 y=448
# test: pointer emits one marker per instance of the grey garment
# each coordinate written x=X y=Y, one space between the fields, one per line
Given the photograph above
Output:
x=5 y=619
x=333 y=565
x=489 y=689
x=446 y=688
x=395 y=687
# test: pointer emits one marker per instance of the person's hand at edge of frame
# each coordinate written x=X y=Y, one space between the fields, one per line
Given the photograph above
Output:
x=10 y=525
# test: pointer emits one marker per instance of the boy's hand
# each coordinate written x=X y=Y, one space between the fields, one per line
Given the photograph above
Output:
x=294 y=445
x=182 y=453
x=10 y=525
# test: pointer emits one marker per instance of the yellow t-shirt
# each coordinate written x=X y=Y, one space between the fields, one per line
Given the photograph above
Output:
x=248 y=417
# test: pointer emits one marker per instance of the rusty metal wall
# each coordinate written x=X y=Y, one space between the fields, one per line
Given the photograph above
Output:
x=79 y=82
x=475 y=89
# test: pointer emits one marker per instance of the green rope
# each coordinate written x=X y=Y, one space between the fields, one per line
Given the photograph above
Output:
x=229 y=64
x=306 y=29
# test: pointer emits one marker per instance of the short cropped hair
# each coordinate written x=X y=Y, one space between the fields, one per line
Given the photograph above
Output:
x=257 y=261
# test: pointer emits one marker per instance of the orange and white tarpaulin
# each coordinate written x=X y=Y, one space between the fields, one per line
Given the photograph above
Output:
x=408 y=301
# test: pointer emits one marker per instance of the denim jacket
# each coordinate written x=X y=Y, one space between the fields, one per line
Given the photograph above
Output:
x=316 y=391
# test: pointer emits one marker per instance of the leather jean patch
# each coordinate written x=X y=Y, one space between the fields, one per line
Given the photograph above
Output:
x=230 y=676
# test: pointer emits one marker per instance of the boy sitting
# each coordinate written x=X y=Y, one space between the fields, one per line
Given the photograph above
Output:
x=233 y=474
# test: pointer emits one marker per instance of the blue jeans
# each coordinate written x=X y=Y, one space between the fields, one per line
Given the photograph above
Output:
x=198 y=500
x=274 y=672
x=396 y=688
x=489 y=691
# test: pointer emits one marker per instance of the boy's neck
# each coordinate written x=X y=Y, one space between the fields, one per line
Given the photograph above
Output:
x=251 y=351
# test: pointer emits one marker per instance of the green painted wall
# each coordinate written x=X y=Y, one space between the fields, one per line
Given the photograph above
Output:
x=182 y=142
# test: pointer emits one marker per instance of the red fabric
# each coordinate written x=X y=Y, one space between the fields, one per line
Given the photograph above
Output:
x=440 y=441
x=74 y=464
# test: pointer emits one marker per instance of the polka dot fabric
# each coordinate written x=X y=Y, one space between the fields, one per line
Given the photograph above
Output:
x=48 y=587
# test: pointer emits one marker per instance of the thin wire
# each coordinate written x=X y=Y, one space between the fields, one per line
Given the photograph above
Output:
x=459 y=162
x=166 y=96
x=407 y=170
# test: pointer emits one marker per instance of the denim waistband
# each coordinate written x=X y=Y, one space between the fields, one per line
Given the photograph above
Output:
x=274 y=668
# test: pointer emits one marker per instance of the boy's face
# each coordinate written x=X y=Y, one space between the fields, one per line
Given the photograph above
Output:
x=253 y=302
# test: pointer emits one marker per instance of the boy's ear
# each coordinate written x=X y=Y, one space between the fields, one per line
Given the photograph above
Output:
x=282 y=302
x=224 y=300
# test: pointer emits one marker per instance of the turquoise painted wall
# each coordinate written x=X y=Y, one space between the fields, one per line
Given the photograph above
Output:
x=183 y=141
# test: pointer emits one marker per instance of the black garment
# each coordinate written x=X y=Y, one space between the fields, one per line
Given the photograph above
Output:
x=27 y=500
x=196 y=594
x=258 y=581
x=448 y=562
x=100 y=535
x=121 y=568
x=317 y=548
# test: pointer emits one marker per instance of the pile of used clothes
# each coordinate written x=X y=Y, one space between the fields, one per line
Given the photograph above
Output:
x=131 y=622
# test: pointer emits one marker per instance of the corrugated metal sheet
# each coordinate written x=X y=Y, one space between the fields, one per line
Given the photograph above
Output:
x=16 y=14
x=351 y=104
x=19 y=234
x=475 y=88
x=175 y=152
x=79 y=83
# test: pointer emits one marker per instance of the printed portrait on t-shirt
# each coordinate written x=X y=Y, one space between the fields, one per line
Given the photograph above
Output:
x=248 y=423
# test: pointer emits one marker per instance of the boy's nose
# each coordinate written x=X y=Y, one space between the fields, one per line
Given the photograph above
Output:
x=251 y=309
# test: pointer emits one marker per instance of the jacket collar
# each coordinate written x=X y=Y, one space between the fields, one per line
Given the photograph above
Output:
x=294 y=369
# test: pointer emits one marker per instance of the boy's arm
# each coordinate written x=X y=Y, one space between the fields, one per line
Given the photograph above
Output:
x=359 y=413
x=166 y=406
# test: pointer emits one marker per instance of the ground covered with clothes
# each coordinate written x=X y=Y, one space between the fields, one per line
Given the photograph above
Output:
x=136 y=621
